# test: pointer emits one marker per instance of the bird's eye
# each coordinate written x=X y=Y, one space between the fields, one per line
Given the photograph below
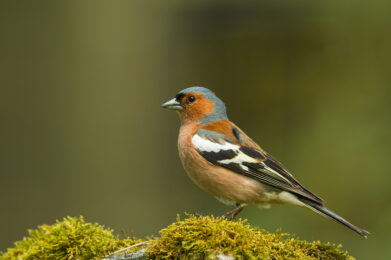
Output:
x=191 y=99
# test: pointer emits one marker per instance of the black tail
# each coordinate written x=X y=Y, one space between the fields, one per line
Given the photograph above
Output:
x=328 y=213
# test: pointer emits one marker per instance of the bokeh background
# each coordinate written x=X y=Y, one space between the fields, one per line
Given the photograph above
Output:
x=82 y=131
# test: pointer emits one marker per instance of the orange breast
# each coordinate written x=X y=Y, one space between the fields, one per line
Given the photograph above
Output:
x=220 y=182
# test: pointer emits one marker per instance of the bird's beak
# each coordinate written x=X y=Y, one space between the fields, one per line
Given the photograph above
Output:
x=172 y=104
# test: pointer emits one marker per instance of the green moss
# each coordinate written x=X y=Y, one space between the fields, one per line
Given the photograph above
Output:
x=67 y=239
x=207 y=237
x=194 y=237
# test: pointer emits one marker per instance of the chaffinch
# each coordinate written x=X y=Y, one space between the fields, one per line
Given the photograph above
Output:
x=222 y=160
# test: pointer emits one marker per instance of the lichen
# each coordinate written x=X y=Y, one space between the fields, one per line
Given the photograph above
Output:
x=71 y=238
x=208 y=237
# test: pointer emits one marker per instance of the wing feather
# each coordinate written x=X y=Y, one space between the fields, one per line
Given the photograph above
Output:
x=248 y=161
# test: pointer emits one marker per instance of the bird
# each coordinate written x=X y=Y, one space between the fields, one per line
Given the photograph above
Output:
x=222 y=160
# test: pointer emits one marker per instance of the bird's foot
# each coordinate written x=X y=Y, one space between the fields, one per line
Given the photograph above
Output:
x=227 y=216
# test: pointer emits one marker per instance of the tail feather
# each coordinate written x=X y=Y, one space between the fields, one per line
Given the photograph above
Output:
x=318 y=208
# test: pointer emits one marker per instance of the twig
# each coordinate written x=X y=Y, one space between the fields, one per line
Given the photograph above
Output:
x=129 y=247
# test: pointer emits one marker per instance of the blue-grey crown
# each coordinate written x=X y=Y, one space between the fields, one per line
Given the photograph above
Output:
x=219 y=112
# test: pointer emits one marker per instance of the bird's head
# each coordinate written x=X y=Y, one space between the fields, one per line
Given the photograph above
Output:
x=197 y=105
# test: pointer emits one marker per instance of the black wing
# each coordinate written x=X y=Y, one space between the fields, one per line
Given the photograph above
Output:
x=251 y=163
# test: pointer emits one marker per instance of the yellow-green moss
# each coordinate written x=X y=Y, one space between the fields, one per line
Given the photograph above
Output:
x=207 y=237
x=67 y=239
x=194 y=237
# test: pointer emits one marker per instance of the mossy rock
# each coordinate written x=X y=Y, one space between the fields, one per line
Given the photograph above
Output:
x=211 y=238
x=191 y=238
x=71 y=238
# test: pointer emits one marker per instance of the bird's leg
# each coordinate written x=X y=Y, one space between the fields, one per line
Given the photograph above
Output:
x=233 y=213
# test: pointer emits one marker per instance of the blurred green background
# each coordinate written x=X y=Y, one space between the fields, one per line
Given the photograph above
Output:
x=82 y=131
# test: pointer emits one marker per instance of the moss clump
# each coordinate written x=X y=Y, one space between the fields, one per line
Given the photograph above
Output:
x=68 y=239
x=192 y=238
x=208 y=237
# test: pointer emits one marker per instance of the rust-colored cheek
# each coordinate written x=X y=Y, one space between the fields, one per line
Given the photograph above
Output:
x=201 y=108
x=194 y=112
x=206 y=106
